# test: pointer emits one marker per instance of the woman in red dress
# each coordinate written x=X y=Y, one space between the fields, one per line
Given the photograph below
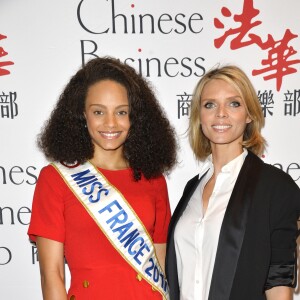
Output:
x=107 y=115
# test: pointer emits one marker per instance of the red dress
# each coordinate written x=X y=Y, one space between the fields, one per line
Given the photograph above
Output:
x=97 y=269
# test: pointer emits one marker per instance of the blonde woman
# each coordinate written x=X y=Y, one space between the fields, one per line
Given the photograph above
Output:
x=233 y=233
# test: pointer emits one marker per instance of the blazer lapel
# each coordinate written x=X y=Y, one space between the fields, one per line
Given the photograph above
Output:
x=233 y=229
x=182 y=204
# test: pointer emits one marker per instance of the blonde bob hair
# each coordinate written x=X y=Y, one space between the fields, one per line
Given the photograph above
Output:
x=252 y=139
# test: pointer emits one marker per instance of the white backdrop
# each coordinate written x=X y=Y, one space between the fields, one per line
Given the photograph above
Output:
x=42 y=43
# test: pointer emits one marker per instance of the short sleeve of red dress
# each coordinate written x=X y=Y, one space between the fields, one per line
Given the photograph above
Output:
x=47 y=218
x=162 y=212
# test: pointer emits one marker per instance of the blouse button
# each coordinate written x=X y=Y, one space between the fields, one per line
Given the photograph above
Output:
x=85 y=284
x=72 y=297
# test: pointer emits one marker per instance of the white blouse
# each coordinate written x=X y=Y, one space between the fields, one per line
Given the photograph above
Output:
x=197 y=235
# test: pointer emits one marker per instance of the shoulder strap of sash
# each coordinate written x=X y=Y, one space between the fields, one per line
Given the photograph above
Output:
x=117 y=220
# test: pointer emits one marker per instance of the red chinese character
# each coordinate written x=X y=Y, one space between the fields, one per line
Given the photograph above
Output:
x=245 y=18
x=4 y=63
x=278 y=59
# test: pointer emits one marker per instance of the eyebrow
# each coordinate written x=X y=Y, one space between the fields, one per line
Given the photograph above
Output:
x=236 y=98
x=100 y=105
x=229 y=98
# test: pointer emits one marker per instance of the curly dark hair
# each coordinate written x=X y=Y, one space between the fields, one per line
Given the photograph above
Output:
x=150 y=147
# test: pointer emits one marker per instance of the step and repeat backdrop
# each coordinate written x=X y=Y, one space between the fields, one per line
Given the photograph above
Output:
x=172 y=43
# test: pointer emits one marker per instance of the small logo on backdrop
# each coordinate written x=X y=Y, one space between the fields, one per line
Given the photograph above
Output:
x=183 y=104
x=3 y=60
x=278 y=61
x=292 y=103
x=266 y=101
x=8 y=105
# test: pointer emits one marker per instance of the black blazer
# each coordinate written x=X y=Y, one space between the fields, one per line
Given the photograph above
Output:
x=257 y=241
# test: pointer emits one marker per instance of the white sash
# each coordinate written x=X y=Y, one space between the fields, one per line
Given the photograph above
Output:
x=117 y=220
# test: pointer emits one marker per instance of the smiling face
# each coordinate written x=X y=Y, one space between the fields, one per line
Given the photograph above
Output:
x=107 y=115
x=223 y=115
